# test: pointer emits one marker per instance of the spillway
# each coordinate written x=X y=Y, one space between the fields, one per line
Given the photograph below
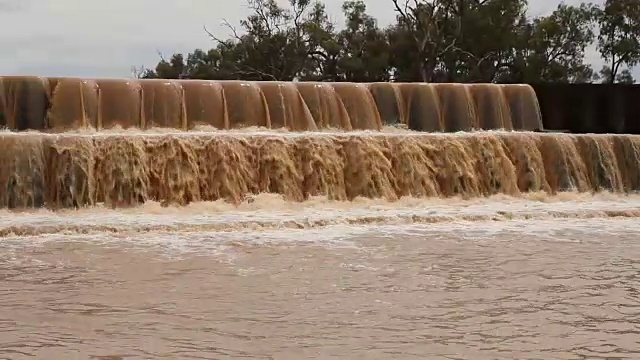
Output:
x=62 y=104
x=124 y=142
x=127 y=169
x=124 y=203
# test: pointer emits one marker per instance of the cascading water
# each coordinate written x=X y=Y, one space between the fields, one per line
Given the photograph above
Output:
x=142 y=150
x=62 y=104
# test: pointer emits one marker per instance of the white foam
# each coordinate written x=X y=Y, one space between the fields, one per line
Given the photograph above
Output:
x=310 y=216
x=175 y=230
x=386 y=132
x=349 y=236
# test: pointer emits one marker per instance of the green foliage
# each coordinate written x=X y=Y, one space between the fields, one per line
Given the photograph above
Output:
x=431 y=41
x=619 y=39
x=553 y=46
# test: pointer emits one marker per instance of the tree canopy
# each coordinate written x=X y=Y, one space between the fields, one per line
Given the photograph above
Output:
x=430 y=41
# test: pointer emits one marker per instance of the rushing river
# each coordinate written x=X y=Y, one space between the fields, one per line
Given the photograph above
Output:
x=498 y=278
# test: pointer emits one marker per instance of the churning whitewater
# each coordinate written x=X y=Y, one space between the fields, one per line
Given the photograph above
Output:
x=270 y=214
x=132 y=168
x=534 y=276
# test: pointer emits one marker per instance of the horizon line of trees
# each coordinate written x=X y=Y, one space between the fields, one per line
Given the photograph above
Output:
x=487 y=41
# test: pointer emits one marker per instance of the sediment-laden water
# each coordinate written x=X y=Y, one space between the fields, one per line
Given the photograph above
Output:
x=528 y=277
x=348 y=239
x=132 y=168
x=63 y=104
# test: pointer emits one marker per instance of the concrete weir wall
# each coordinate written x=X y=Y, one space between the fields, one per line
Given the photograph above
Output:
x=62 y=104
x=590 y=108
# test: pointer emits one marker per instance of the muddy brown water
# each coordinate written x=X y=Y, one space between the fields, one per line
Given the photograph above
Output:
x=498 y=278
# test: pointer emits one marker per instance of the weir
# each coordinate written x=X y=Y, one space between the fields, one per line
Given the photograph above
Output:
x=126 y=142
x=590 y=108
x=62 y=104
x=126 y=169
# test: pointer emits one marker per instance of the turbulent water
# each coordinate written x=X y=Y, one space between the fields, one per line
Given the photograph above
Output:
x=256 y=243
x=63 y=104
x=529 y=277
x=131 y=168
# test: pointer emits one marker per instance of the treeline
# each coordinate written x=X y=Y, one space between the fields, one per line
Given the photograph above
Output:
x=430 y=41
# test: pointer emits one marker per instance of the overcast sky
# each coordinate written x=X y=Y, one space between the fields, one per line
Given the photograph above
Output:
x=91 y=38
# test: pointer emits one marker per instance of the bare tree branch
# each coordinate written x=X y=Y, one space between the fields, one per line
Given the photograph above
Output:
x=226 y=23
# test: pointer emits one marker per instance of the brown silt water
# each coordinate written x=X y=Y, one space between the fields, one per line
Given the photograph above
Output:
x=119 y=104
x=325 y=105
x=422 y=106
x=492 y=109
x=204 y=104
x=246 y=105
x=73 y=105
x=286 y=106
x=25 y=102
x=162 y=104
x=57 y=105
x=123 y=236
x=457 y=107
x=389 y=103
x=180 y=168
x=360 y=105
x=523 y=103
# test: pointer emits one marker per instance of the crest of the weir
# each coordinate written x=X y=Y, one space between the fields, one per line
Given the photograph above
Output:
x=58 y=166
x=62 y=104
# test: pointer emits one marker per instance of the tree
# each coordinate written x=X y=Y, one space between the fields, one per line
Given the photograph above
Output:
x=421 y=36
x=175 y=68
x=622 y=77
x=274 y=43
x=486 y=35
x=270 y=47
x=322 y=48
x=619 y=38
x=493 y=41
x=364 y=55
x=552 y=48
x=430 y=41
x=142 y=72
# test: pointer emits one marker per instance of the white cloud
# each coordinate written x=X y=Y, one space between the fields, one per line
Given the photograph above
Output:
x=106 y=38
